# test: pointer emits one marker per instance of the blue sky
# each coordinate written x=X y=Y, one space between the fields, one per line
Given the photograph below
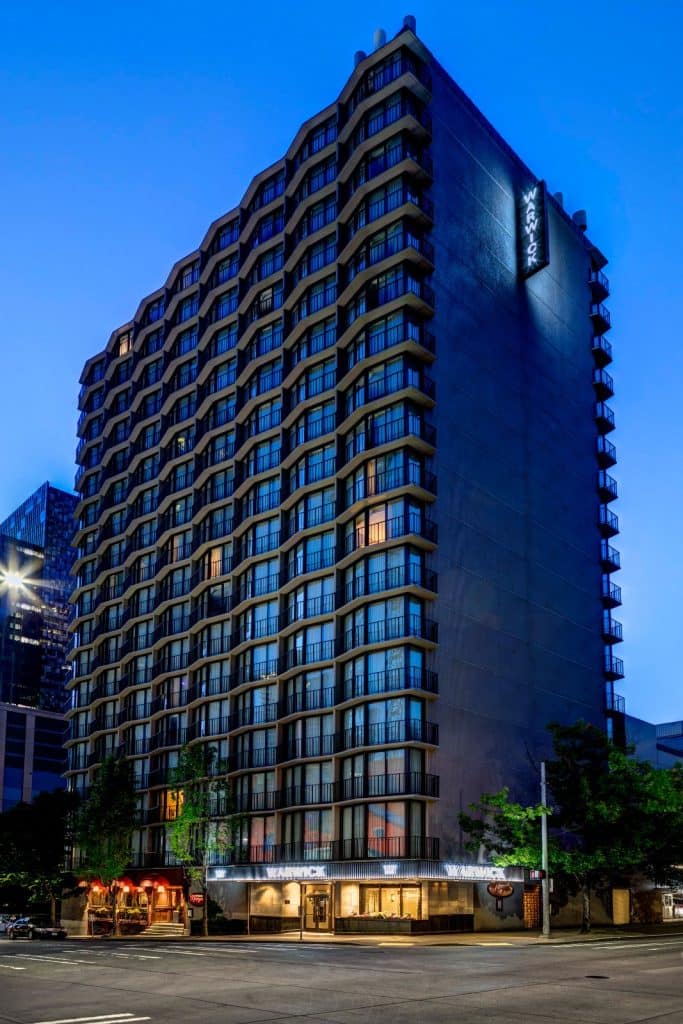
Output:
x=126 y=128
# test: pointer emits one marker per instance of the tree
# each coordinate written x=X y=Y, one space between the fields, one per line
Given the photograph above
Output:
x=611 y=811
x=105 y=824
x=205 y=823
x=32 y=845
x=611 y=816
x=508 y=832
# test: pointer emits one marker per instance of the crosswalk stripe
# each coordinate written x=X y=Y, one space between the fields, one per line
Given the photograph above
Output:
x=123 y=1017
x=54 y=960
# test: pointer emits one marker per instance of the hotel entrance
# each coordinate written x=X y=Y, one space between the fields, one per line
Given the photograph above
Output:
x=318 y=903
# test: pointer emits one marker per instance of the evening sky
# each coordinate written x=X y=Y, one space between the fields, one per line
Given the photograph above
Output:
x=126 y=128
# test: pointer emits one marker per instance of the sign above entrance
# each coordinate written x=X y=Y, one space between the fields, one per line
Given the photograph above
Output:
x=532 y=230
x=475 y=872
x=362 y=870
x=306 y=872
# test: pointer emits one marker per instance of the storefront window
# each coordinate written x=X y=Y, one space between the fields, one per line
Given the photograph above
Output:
x=390 y=901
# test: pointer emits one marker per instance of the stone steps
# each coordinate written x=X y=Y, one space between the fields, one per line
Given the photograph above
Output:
x=163 y=930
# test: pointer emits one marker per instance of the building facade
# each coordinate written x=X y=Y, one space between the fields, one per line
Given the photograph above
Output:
x=35 y=545
x=344 y=511
x=32 y=758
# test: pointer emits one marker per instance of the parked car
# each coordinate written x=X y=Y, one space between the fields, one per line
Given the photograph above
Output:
x=5 y=921
x=35 y=928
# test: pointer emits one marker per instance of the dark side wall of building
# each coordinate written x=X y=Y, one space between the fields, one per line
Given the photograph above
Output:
x=518 y=558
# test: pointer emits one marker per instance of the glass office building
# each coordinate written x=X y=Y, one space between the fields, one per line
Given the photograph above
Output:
x=35 y=550
x=345 y=512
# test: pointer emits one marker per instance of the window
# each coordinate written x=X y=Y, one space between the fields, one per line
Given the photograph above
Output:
x=188 y=308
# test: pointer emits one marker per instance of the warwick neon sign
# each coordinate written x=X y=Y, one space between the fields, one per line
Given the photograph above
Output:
x=532 y=230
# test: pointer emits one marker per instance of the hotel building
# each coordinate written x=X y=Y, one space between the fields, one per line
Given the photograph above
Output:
x=345 y=512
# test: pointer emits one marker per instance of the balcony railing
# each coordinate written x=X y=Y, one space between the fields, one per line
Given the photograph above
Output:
x=615 y=702
x=371 y=344
x=376 y=251
x=602 y=383
x=608 y=521
x=406 y=730
x=169 y=738
x=610 y=557
x=607 y=452
x=611 y=593
x=613 y=667
x=397 y=526
x=416 y=847
x=607 y=486
x=604 y=418
x=395 y=784
x=599 y=285
x=310 y=609
x=390 y=629
x=601 y=318
x=310 y=746
x=388 y=579
x=602 y=350
x=612 y=631
x=307 y=700
x=390 y=680
x=387 y=480
x=310 y=654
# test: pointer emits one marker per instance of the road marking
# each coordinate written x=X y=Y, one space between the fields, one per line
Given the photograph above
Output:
x=54 y=960
x=661 y=970
x=396 y=943
x=615 y=945
x=109 y=1017
x=9 y=967
x=231 y=949
x=182 y=952
x=495 y=943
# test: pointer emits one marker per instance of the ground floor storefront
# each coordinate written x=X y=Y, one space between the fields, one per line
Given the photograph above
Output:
x=373 y=898
x=138 y=900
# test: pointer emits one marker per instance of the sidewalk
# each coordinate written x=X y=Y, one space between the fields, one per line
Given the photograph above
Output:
x=502 y=938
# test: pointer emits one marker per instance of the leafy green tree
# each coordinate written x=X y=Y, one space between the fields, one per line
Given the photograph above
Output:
x=205 y=823
x=611 y=811
x=104 y=826
x=611 y=816
x=508 y=832
x=33 y=838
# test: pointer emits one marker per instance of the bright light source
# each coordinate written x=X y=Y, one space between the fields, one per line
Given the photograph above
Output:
x=14 y=580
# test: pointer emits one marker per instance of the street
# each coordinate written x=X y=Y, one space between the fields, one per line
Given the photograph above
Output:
x=111 y=982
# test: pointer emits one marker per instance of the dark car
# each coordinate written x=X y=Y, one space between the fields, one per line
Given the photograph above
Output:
x=35 y=928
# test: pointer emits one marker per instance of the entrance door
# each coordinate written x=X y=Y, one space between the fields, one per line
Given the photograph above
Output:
x=318 y=910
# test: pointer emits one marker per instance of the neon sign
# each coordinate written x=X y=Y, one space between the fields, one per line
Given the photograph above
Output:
x=532 y=230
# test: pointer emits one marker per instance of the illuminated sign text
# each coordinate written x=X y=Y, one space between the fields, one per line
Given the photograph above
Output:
x=532 y=230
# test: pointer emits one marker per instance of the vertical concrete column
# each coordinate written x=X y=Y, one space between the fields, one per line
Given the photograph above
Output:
x=3 y=738
x=29 y=743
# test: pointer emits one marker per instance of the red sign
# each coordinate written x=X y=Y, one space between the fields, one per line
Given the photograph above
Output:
x=197 y=899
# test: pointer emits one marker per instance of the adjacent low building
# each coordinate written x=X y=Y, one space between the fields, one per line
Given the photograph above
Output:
x=32 y=756
x=345 y=514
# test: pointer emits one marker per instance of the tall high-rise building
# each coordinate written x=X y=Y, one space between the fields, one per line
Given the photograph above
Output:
x=345 y=513
x=36 y=556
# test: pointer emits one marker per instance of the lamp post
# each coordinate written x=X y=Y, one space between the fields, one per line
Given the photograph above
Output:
x=545 y=882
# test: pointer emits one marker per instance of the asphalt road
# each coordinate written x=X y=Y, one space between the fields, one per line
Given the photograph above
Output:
x=95 y=982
